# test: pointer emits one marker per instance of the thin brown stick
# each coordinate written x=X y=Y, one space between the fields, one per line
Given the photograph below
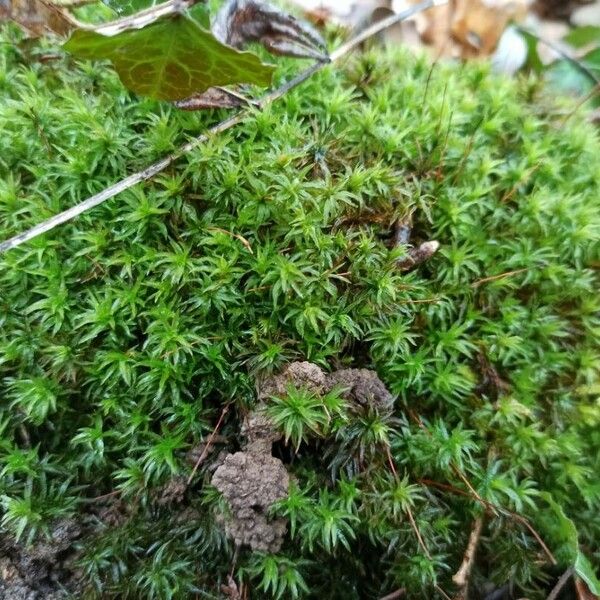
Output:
x=399 y=593
x=534 y=533
x=593 y=92
x=500 y=276
x=236 y=119
x=391 y=462
x=560 y=584
x=241 y=238
x=104 y=496
x=413 y=524
x=461 y=577
x=473 y=491
x=208 y=444
x=490 y=506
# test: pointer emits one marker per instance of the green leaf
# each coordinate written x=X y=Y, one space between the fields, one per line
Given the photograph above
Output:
x=592 y=61
x=584 y=569
x=533 y=58
x=172 y=58
x=566 y=540
x=582 y=36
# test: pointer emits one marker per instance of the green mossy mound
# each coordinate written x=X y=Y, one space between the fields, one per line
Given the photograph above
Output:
x=125 y=332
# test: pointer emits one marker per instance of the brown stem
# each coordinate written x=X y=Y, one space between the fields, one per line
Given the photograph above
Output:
x=500 y=276
x=492 y=507
x=208 y=444
x=553 y=595
x=461 y=577
x=399 y=593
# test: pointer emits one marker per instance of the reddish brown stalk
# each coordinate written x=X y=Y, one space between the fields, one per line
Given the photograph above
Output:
x=241 y=238
x=208 y=443
x=461 y=577
x=399 y=593
x=492 y=507
x=500 y=276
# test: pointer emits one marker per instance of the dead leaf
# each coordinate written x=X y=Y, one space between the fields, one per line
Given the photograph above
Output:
x=418 y=255
x=36 y=17
x=583 y=591
x=469 y=28
x=214 y=97
x=477 y=25
x=239 y=22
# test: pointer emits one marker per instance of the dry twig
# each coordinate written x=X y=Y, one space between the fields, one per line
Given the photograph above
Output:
x=500 y=276
x=461 y=577
x=208 y=444
x=399 y=593
x=553 y=595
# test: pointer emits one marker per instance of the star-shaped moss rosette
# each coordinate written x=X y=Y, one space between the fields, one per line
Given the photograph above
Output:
x=171 y=58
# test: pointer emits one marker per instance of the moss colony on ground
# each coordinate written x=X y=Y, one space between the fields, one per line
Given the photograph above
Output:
x=125 y=334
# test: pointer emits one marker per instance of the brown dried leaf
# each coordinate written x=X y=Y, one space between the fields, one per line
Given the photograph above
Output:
x=583 y=591
x=36 y=17
x=469 y=28
x=239 y=22
x=214 y=97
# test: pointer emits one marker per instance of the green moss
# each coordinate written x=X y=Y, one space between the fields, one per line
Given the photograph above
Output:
x=124 y=332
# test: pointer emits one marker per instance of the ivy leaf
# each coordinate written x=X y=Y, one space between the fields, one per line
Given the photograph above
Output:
x=566 y=540
x=583 y=36
x=533 y=58
x=171 y=58
x=592 y=61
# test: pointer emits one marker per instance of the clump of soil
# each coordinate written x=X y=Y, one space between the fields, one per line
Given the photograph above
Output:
x=172 y=492
x=43 y=570
x=259 y=431
x=298 y=374
x=361 y=387
x=252 y=482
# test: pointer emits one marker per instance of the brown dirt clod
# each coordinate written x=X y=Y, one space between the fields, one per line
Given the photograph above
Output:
x=251 y=483
x=258 y=426
x=172 y=492
x=363 y=387
x=298 y=374
x=42 y=570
